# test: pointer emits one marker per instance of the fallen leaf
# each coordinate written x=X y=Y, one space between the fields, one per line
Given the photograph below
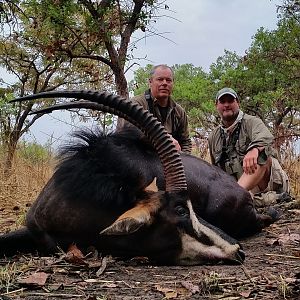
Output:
x=60 y=270
x=245 y=294
x=103 y=267
x=296 y=253
x=169 y=293
x=55 y=286
x=93 y=264
x=38 y=278
x=283 y=239
x=290 y=280
x=75 y=256
x=190 y=286
x=109 y=285
x=140 y=260
x=91 y=280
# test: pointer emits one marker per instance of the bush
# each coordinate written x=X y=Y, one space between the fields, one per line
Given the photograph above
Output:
x=34 y=153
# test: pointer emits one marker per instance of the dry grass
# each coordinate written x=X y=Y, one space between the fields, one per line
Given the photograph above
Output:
x=20 y=189
x=27 y=179
x=292 y=167
x=8 y=275
x=269 y=277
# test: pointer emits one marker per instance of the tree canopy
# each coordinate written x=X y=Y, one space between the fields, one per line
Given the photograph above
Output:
x=266 y=79
x=52 y=44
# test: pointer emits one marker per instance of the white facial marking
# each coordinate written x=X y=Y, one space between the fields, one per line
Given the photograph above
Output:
x=195 y=252
x=193 y=249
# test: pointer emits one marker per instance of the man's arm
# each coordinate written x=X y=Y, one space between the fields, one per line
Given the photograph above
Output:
x=261 y=141
x=210 y=148
x=259 y=134
x=185 y=141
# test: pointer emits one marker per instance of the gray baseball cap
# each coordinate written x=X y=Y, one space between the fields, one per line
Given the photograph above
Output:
x=226 y=91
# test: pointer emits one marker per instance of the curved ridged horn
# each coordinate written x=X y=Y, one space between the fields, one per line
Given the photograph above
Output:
x=134 y=113
x=82 y=104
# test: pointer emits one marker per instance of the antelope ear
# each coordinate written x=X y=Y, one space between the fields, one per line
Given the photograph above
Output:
x=123 y=227
x=152 y=187
x=134 y=218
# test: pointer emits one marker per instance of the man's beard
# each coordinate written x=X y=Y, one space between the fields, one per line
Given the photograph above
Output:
x=230 y=118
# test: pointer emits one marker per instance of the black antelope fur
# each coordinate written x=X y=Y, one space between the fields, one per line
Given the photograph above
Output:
x=128 y=198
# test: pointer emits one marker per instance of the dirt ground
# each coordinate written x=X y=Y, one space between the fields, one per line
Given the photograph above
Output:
x=271 y=270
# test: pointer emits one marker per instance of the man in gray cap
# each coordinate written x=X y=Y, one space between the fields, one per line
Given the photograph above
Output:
x=242 y=147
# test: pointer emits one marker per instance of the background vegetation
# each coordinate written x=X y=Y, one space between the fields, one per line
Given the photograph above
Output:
x=84 y=44
x=64 y=44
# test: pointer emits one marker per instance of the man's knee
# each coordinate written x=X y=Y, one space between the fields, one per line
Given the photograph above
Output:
x=265 y=173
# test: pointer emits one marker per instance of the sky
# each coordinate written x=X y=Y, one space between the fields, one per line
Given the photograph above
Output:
x=195 y=32
x=198 y=31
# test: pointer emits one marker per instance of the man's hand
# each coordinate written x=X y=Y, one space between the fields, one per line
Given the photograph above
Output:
x=250 y=161
x=175 y=142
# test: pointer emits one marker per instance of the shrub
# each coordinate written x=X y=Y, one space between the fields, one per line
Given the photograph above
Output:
x=34 y=153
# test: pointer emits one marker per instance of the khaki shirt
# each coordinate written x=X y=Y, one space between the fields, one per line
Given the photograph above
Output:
x=176 y=122
x=253 y=133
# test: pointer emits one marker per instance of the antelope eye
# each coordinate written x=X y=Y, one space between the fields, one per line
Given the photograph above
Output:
x=182 y=211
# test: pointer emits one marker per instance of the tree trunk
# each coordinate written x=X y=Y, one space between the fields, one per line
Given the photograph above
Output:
x=10 y=150
x=122 y=90
x=121 y=84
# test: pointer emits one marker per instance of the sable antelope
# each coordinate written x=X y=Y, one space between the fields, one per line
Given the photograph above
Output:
x=102 y=193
